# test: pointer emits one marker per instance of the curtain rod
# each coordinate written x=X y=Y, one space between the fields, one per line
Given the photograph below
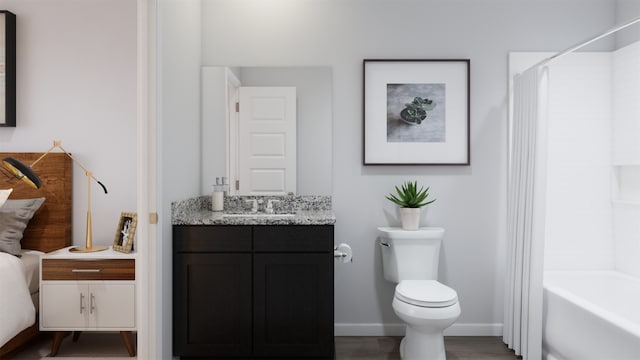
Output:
x=585 y=43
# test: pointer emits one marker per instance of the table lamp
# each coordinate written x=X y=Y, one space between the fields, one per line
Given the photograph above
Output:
x=26 y=174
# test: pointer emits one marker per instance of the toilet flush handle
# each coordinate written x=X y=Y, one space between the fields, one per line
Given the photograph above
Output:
x=384 y=244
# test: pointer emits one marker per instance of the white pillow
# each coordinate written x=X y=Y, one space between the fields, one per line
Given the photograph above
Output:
x=4 y=195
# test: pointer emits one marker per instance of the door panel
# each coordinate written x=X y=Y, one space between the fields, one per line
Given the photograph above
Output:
x=66 y=307
x=267 y=140
x=212 y=305
x=292 y=317
x=112 y=306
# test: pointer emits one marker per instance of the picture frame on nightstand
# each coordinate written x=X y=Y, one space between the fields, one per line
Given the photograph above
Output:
x=125 y=233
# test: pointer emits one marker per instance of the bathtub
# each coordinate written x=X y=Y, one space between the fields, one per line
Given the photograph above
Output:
x=591 y=315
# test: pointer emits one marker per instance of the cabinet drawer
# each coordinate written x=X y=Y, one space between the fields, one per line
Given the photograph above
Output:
x=86 y=269
x=293 y=238
x=189 y=238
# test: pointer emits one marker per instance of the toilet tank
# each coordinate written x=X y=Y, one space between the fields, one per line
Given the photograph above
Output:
x=410 y=254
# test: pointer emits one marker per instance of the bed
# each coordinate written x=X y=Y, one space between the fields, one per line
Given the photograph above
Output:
x=48 y=230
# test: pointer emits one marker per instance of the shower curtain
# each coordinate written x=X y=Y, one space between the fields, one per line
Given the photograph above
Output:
x=525 y=215
x=526 y=196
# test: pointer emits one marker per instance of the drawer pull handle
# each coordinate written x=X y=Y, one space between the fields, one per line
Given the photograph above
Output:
x=85 y=270
x=81 y=302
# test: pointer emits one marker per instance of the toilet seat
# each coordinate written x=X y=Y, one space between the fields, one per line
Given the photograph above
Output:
x=426 y=293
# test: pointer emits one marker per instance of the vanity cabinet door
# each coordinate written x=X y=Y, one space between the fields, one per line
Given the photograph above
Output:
x=293 y=305
x=212 y=305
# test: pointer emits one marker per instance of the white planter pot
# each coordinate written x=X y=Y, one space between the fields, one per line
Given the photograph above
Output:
x=410 y=218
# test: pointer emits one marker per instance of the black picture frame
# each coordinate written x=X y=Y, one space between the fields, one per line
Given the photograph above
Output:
x=437 y=91
x=7 y=69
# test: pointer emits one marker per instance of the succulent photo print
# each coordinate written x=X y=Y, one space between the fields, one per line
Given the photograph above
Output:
x=416 y=113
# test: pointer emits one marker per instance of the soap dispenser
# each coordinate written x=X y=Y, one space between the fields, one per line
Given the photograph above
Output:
x=217 y=198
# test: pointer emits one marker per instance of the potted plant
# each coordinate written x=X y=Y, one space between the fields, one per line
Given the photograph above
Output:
x=416 y=111
x=410 y=199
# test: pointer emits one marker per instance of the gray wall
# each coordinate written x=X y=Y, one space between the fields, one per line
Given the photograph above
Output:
x=213 y=126
x=179 y=138
x=627 y=10
x=471 y=199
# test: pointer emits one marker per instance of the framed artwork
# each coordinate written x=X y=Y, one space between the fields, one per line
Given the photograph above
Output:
x=416 y=112
x=125 y=232
x=7 y=69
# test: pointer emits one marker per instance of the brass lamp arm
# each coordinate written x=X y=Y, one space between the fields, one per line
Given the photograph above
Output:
x=58 y=144
x=25 y=173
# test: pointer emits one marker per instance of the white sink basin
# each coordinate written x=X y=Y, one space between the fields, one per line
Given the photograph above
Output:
x=259 y=215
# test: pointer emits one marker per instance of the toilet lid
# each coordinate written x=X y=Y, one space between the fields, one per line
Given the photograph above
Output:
x=426 y=293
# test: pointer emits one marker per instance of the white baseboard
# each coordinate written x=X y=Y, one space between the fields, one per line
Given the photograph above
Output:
x=368 y=329
x=373 y=329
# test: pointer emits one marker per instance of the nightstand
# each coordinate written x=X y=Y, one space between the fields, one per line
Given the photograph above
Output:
x=88 y=292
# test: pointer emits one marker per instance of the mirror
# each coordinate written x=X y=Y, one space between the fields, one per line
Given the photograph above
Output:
x=313 y=94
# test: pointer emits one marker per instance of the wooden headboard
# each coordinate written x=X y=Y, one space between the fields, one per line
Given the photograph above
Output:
x=50 y=227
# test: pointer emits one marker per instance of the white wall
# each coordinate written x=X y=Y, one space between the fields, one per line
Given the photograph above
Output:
x=626 y=111
x=76 y=82
x=579 y=215
x=471 y=199
x=626 y=158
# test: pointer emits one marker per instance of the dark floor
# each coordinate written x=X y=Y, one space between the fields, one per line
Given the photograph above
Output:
x=109 y=346
x=458 y=348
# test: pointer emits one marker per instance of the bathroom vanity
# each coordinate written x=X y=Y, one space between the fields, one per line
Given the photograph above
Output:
x=253 y=286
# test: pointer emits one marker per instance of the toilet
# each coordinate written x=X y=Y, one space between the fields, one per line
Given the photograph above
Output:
x=410 y=259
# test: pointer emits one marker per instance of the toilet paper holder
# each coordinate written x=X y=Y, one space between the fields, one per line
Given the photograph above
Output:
x=343 y=253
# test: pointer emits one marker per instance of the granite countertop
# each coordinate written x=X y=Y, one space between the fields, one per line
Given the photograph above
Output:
x=305 y=210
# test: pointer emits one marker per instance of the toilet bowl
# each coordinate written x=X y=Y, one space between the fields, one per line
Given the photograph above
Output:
x=427 y=307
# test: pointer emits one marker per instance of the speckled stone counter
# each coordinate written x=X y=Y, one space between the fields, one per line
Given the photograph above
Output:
x=306 y=210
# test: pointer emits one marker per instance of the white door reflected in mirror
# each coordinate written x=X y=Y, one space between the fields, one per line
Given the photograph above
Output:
x=267 y=140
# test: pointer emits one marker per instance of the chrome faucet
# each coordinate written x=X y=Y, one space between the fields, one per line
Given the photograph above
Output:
x=255 y=204
x=269 y=209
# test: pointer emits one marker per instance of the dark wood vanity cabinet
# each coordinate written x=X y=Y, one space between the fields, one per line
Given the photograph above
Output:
x=261 y=291
x=212 y=290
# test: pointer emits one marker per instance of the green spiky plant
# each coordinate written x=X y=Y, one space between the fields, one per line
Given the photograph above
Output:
x=409 y=196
